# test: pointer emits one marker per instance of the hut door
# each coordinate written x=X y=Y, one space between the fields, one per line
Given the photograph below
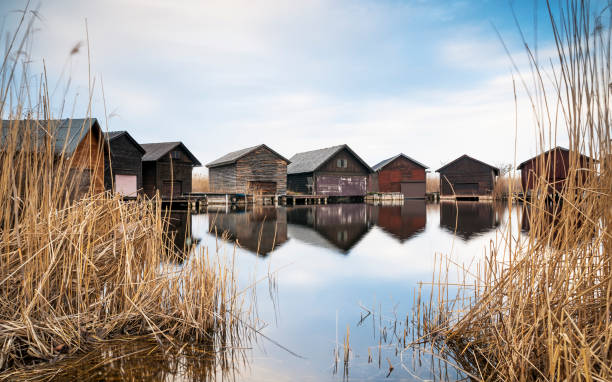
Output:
x=264 y=188
x=466 y=188
x=126 y=185
x=414 y=190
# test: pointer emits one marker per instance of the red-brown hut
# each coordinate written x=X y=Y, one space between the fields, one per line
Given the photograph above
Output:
x=399 y=174
x=552 y=165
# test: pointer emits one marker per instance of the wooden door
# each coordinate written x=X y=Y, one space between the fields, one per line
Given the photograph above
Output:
x=172 y=189
x=261 y=188
x=126 y=185
x=413 y=190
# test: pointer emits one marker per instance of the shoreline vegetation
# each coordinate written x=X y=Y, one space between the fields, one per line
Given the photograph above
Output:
x=539 y=307
x=78 y=270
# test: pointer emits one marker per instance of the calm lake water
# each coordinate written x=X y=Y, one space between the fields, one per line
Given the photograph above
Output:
x=330 y=266
x=318 y=270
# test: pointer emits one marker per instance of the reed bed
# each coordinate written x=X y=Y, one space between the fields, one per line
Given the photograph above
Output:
x=79 y=268
x=539 y=307
x=200 y=183
x=432 y=184
x=506 y=186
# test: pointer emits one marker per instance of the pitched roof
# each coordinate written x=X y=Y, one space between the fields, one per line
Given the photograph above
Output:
x=236 y=155
x=154 y=151
x=495 y=169
x=382 y=164
x=310 y=161
x=112 y=135
x=67 y=133
x=520 y=166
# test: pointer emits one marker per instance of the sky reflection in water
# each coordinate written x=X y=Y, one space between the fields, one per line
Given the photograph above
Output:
x=333 y=260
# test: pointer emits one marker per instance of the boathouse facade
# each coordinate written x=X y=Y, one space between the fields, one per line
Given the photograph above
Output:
x=400 y=174
x=167 y=167
x=81 y=141
x=253 y=170
x=466 y=177
x=332 y=171
x=552 y=165
x=123 y=165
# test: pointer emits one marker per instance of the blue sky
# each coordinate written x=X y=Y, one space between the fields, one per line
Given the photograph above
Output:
x=426 y=78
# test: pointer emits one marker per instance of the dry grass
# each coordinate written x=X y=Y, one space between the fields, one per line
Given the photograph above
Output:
x=432 y=183
x=539 y=307
x=75 y=272
x=199 y=183
x=506 y=185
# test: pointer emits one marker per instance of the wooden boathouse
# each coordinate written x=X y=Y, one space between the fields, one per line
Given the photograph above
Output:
x=399 y=174
x=552 y=165
x=123 y=165
x=254 y=170
x=467 y=178
x=167 y=168
x=81 y=141
x=334 y=171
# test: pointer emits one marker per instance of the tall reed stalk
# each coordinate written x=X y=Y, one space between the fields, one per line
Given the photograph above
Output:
x=77 y=270
x=540 y=305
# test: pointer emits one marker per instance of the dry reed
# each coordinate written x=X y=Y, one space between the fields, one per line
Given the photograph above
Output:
x=540 y=305
x=77 y=270
x=432 y=184
x=200 y=183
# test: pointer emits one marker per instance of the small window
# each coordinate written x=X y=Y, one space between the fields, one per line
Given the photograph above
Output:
x=341 y=163
x=176 y=154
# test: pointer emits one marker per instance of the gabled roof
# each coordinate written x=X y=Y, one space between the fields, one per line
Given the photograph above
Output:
x=495 y=169
x=382 y=164
x=67 y=133
x=234 y=156
x=154 y=151
x=520 y=166
x=112 y=135
x=310 y=161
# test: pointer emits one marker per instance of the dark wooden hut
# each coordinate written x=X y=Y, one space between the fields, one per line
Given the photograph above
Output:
x=254 y=170
x=551 y=165
x=466 y=177
x=167 y=168
x=399 y=174
x=123 y=167
x=333 y=171
x=80 y=141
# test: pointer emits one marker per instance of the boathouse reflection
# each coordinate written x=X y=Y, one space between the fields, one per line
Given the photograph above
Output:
x=470 y=219
x=400 y=221
x=335 y=226
x=260 y=230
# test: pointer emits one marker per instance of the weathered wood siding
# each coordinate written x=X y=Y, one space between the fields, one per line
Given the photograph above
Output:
x=125 y=159
x=301 y=183
x=401 y=170
x=261 y=166
x=467 y=177
x=172 y=177
x=88 y=157
x=222 y=179
x=149 y=181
